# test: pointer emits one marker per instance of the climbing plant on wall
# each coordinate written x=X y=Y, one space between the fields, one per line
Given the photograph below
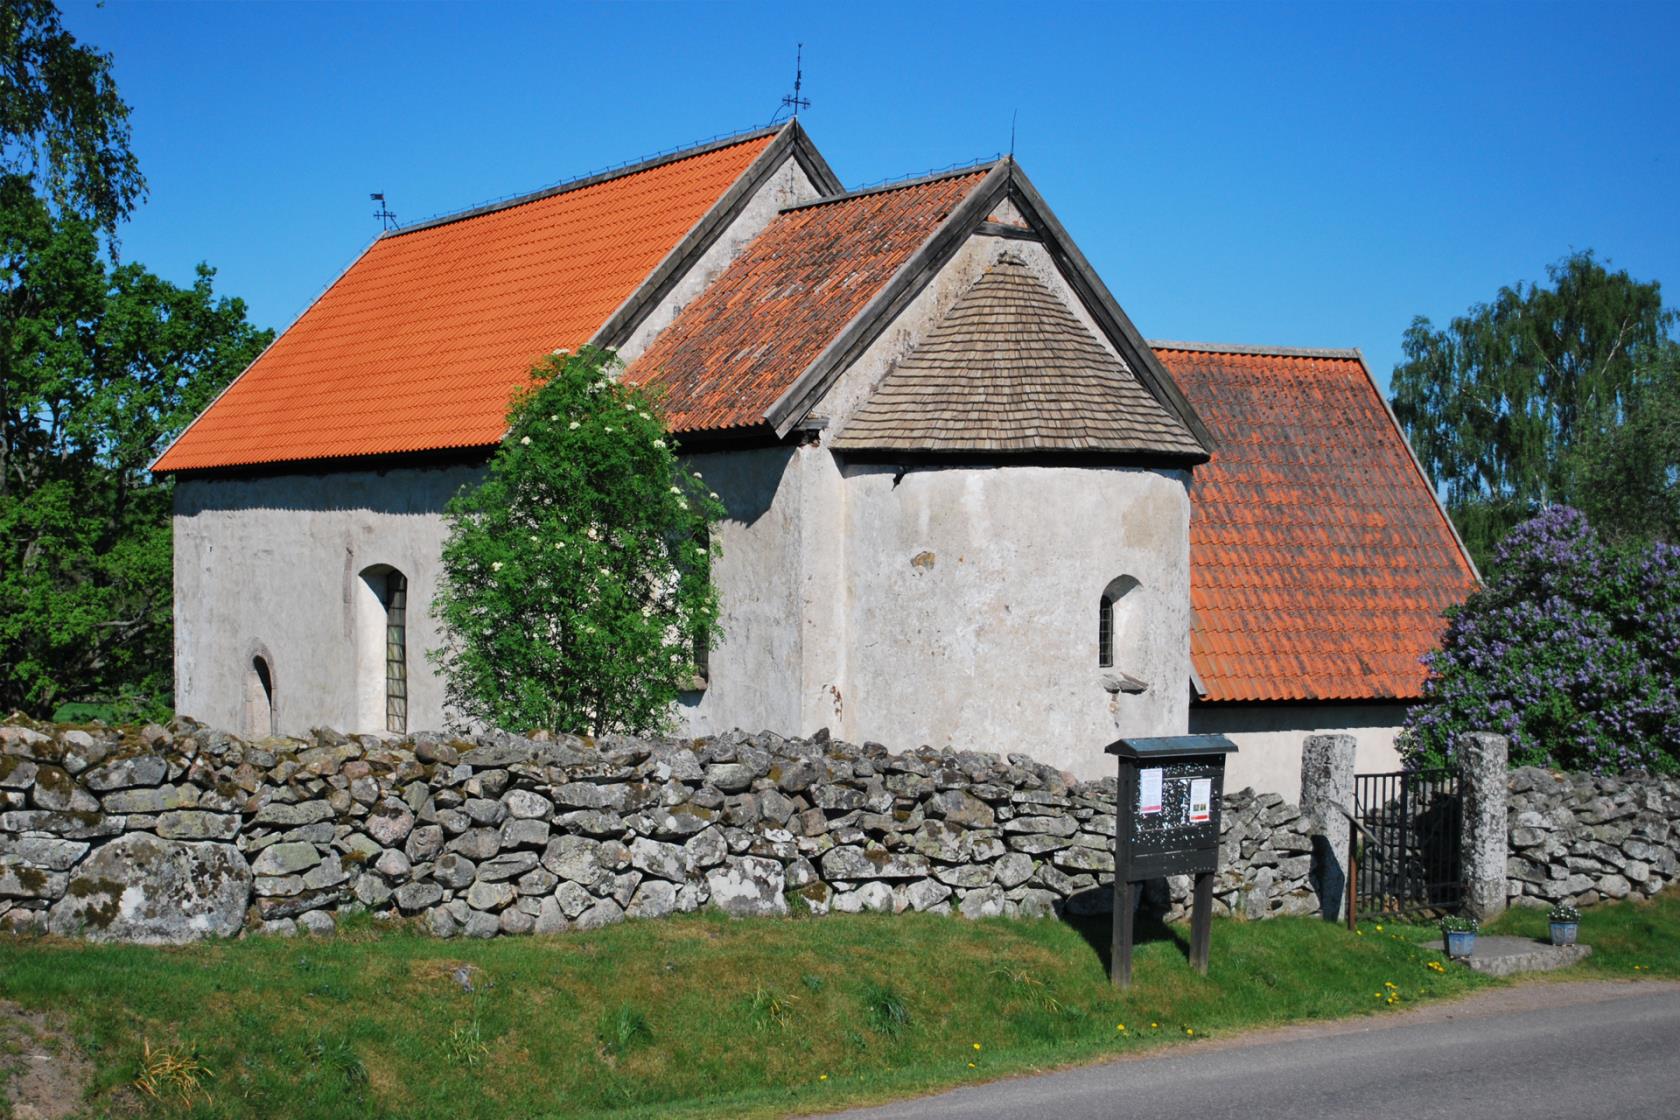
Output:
x=576 y=590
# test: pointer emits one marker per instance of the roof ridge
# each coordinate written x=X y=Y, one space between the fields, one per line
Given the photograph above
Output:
x=1354 y=354
x=898 y=185
x=566 y=186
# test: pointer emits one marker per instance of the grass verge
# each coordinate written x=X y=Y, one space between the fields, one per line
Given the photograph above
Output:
x=700 y=1016
x=697 y=1016
x=1629 y=939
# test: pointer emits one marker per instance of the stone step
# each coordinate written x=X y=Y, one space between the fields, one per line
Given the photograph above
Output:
x=1506 y=956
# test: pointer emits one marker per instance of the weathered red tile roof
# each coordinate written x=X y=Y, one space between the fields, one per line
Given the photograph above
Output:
x=744 y=341
x=1320 y=561
x=420 y=343
x=1010 y=369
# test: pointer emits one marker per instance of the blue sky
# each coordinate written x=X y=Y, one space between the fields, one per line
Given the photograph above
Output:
x=1299 y=175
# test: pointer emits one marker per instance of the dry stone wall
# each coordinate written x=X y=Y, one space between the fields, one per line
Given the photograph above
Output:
x=170 y=834
x=1586 y=838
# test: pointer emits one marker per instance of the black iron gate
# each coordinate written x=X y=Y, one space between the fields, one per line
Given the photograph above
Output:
x=1405 y=842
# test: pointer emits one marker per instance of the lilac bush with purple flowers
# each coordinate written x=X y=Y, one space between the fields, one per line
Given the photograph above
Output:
x=1572 y=649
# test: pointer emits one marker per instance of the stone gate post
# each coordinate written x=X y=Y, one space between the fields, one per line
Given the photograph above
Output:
x=1482 y=759
x=1326 y=790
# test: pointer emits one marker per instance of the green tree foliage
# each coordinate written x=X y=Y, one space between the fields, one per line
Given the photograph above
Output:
x=99 y=367
x=63 y=128
x=1526 y=400
x=1625 y=474
x=576 y=585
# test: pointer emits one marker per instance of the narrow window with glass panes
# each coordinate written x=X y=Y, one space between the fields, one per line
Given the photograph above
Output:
x=396 y=652
x=1105 y=632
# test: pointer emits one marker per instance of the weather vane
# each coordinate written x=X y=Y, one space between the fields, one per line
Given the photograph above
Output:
x=793 y=101
x=387 y=220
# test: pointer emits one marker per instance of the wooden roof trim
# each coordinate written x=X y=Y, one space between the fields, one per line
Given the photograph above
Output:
x=914 y=274
x=1255 y=351
x=1103 y=306
x=278 y=335
x=791 y=140
x=896 y=185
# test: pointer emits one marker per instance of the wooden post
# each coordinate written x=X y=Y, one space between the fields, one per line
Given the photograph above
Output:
x=1120 y=955
x=1353 y=880
x=1201 y=922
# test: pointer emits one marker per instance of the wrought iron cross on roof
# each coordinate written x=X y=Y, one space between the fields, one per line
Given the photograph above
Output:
x=793 y=102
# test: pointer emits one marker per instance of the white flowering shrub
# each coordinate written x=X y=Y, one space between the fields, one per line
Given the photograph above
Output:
x=576 y=583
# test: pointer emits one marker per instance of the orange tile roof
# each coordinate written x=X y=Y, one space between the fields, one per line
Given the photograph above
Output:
x=743 y=341
x=1320 y=562
x=422 y=340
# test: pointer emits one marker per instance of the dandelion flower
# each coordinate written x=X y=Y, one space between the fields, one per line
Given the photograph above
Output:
x=970 y=1065
x=1119 y=1026
x=1154 y=1026
x=824 y=1077
x=977 y=1046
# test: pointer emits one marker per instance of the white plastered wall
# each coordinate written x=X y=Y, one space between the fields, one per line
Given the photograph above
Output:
x=1269 y=736
x=955 y=606
x=276 y=564
x=973 y=599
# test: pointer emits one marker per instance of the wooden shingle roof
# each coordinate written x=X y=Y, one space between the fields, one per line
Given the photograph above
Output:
x=1010 y=369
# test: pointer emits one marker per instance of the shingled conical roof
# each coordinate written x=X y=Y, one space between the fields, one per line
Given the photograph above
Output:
x=1010 y=369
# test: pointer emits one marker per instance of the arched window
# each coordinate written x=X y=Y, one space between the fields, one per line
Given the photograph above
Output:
x=1111 y=613
x=259 y=698
x=396 y=651
x=382 y=650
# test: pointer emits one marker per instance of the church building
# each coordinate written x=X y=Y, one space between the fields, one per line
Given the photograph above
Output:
x=968 y=504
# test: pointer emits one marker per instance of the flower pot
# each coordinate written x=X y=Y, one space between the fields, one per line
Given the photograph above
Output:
x=1563 y=933
x=1461 y=943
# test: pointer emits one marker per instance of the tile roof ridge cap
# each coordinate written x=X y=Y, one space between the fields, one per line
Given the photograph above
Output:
x=899 y=185
x=566 y=186
x=1343 y=353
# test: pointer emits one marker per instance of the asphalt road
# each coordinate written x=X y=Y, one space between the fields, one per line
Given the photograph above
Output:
x=1575 y=1051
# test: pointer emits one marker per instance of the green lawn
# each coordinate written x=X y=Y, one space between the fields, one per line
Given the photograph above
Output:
x=696 y=1016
